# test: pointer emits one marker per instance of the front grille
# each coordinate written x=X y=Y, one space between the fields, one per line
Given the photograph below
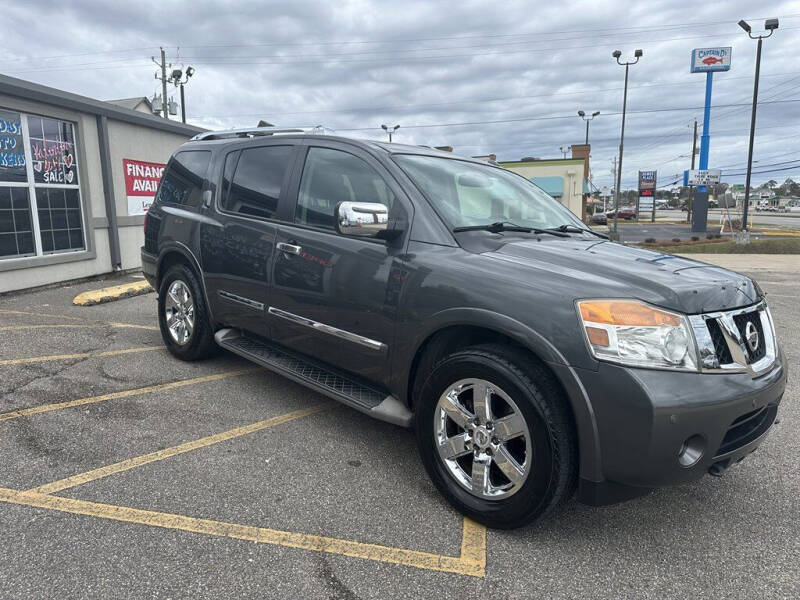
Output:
x=720 y=346
x=741 y=324
x=748 y=427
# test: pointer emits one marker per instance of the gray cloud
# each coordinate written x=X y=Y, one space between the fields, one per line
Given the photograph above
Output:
x=355 y=65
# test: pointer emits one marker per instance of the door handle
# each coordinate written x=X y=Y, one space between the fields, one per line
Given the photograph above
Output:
x=288 y=248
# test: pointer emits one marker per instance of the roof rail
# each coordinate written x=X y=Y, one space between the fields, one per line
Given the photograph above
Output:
x=247 y=132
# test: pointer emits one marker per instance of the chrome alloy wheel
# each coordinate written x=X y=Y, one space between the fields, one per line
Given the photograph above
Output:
x=179 y=312
x=483 y=439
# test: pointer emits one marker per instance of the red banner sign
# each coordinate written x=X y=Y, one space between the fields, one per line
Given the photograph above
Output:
x=141 y=183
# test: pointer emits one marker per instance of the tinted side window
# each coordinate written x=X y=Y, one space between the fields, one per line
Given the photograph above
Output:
x=183 y=179
x=332 y=176
x=256 y=184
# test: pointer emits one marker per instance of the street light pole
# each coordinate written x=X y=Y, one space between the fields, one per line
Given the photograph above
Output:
x=616 y=54
x=583 y=116
x=390 y=130
x=770 y=25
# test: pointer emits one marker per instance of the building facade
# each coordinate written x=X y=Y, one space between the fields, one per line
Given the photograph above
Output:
x=75 y=178
x=561 y=178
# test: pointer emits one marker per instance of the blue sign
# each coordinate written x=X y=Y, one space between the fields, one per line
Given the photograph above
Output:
x=705 y=60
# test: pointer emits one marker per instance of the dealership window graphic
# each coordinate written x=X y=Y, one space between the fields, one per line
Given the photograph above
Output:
x=40 y=201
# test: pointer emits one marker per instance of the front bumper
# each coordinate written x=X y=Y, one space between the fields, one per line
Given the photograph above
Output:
x=659 y=428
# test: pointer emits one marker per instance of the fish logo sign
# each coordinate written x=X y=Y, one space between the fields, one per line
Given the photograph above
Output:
x=711 y=59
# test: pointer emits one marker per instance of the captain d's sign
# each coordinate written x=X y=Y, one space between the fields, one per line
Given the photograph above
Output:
x=711 y=59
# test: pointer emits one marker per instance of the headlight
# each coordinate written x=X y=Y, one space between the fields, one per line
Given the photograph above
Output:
x=633 y=333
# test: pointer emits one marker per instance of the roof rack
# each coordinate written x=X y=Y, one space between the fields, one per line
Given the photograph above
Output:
x=247 y=132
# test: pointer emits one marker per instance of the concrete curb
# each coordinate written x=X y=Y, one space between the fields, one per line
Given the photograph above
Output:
x=109 y=294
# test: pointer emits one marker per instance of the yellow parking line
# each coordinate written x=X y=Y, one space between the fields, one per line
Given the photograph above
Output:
x=52 y=357
x=132 y=463
x=133 y=326
x=42 y=408
x=81 y=326
x=261 y=535
x=6 y=311
x=473 y=546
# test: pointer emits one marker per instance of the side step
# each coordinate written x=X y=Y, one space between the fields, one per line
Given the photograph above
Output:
x=316 y=376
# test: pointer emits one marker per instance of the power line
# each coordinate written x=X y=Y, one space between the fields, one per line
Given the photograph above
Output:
x=556 y=117
x=326 y=58
x=639 y=29
x=478 y=101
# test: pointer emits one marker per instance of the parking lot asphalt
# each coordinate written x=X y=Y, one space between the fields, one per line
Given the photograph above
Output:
x=127 y=473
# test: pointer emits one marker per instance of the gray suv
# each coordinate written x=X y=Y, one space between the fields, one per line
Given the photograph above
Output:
x=533 y=357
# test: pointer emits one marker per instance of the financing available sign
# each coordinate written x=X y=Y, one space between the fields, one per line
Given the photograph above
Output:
x=711 y=59
x=141 y=183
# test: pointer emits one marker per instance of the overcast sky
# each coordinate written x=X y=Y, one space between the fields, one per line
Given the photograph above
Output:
x=508 y=77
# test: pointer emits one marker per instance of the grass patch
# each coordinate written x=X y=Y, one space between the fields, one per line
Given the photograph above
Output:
x=761 y=246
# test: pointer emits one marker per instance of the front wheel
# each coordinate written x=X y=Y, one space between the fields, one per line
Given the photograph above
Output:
x=496 y=436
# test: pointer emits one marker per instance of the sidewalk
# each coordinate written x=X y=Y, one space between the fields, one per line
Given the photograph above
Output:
x=786 y=263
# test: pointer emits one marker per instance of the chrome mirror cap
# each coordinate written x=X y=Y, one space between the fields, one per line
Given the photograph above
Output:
x=361 y=219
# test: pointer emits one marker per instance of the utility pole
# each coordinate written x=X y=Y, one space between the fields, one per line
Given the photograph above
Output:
x=690 y=205
x=163 y=78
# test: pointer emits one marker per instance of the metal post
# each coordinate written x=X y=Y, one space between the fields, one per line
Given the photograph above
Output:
x=587 y=132
x=691 y=187
x=700 y=209
x=109 y=196
x=752 y=137
x=183 y=106
x=165 y=105
x=621 y=141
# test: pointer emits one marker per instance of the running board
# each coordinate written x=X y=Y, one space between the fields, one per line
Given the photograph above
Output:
x=316 y=376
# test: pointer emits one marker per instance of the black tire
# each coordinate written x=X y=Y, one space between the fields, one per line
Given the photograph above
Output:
x=553 y=477
x=200 y=343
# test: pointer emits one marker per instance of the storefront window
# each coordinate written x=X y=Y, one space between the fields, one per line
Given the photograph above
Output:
x=38 y=176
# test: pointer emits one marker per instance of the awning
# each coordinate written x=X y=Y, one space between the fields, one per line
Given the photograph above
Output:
x=554 y=186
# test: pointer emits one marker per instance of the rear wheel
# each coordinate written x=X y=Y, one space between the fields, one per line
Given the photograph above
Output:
x=496 y=436
x=182 y=315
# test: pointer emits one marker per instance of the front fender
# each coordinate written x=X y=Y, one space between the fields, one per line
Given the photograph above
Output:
x=410 y=345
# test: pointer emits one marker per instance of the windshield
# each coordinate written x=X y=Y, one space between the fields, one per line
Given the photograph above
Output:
x=469 y=194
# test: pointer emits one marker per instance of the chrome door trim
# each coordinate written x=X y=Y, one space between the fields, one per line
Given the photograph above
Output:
x=241 y=300
x=334 y=331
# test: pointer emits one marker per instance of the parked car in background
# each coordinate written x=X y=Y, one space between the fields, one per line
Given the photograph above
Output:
x=625 y=213
x=599 y=218
x=533 y=357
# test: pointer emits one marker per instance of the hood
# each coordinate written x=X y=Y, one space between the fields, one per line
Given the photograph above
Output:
x=598 y=268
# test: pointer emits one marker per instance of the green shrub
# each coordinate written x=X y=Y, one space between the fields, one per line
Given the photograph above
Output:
x=650 y=241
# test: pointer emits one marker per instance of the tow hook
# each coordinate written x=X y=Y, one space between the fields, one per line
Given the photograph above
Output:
x=718 y=468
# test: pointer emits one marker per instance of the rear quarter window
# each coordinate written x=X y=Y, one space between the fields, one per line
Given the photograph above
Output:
x=183 y=179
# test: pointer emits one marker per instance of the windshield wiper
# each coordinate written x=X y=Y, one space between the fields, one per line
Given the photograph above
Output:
x=507 y=226
x=575 y=229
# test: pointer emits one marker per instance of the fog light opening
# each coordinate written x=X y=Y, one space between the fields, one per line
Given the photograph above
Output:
x=692 y=451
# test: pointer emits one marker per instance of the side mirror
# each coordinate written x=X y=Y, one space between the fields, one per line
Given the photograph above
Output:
x=362 y=219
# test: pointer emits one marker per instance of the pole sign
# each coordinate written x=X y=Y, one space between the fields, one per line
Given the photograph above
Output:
x=702 y=177
x=141 y=183
x=711 y=59
x=647 y=190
